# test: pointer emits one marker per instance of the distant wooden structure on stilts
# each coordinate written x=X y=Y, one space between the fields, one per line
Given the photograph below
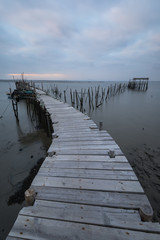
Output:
x=140 y=84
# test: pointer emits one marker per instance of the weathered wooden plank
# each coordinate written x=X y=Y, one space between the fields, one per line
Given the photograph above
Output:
x=51 y=151
x=42 y=228
x=89 y=184
x=66 y=114
x=68 y=129
x=92 y=158
x=98 y=198
x=82 y=138
x=62 y=143
x=79 y=135
x=55 y=147
x=81 y=213
x=82 y=121
x=111 y=217
x=81 y=125
x=53 y=105
x=68 y=117
x=87 y=165
x=89 y=173
x=58 y=108
x=78 y=132
x=73 y=125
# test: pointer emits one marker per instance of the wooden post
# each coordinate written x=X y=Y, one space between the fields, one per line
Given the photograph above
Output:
x=100 y=125
x=15 y=108
x=30 y=196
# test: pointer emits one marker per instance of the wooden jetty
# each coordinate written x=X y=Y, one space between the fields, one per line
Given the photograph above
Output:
x=83 y=191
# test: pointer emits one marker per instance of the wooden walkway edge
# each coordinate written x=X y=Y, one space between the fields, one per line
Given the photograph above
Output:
x=85 y=188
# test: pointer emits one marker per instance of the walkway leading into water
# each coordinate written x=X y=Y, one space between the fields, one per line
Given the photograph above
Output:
x=83 y=190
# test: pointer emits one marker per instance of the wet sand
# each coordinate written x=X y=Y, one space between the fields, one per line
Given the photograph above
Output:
x=145 y=161
x=19 y=164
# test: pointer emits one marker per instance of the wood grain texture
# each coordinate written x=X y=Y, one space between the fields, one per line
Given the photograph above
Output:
x=111 y=217
x=86 y=158
x=42 y=228
x=88 y=173
x=90 y=184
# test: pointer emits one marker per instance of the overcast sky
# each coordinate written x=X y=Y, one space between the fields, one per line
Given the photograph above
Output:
x=80 y=39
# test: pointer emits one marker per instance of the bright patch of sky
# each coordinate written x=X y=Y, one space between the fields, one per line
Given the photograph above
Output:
x=80 y=40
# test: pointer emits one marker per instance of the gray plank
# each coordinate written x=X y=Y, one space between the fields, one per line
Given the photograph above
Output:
x=62 y=143
x=98 y=198
x=79 y=135
x=73 y=130
x=92 y=158
x=73 y=126
x=111 y=217
x=81 y=129
x=57 y=147
x=83 y=173
x=91 y=135
x=42 y=228
x=89 y=184
x=86 y=165
x=98 y=152
x=66 y=114
x=82 y=122
x=77 y=132
x=82 y=138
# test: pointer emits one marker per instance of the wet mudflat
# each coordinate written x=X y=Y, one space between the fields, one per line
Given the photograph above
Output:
x=22 y=148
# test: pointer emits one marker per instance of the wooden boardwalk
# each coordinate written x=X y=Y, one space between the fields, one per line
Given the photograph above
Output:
x=82 y=192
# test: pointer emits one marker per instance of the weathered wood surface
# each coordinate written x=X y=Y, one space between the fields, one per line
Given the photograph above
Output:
x=80 y=138
x=97 y=152
x=88 y=184
x=27 y=227
x=113 y=217
x=97 y=198
x=87 y=165
x=86 y=158
x=62 y=143
x=87 y=173
x=81 y=191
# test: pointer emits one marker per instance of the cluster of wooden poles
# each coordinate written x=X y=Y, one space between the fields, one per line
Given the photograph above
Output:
x=93 y=97
x=39 y=115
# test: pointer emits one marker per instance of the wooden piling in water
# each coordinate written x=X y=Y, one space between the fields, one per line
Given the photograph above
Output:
x=15 y=108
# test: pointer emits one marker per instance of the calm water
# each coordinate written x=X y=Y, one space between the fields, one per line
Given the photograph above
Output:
x=132 y=118
x=21 y=146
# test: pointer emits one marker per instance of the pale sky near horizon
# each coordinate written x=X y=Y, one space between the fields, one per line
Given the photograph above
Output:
x=80 y=39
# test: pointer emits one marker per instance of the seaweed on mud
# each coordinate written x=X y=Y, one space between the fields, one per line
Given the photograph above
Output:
x=18 y=197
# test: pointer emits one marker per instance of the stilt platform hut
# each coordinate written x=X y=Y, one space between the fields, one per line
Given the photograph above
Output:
x=140 y=84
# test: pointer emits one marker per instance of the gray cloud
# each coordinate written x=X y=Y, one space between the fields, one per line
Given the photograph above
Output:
x=82 y=39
